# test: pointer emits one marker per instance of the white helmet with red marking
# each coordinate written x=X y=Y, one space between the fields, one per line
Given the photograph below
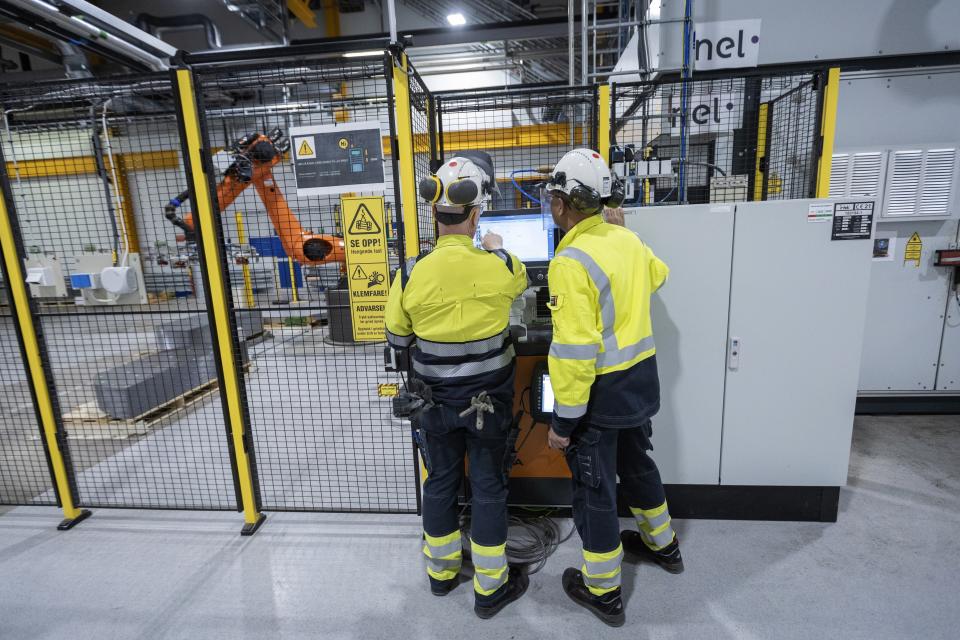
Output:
x=583 y=175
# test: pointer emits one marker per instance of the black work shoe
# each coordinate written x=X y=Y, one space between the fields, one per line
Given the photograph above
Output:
x=516 y=586
x=443 y=587
x=669 y=557
x=608 y=607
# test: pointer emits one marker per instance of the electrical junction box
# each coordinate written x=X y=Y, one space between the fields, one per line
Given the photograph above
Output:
x=119 y=280
x=40 y=276
x=85 y=281
x=45 y=277
x=729 y=188
x=654 y=169
x=111 y=285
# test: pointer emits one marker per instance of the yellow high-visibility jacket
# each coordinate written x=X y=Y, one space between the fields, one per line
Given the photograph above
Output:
x=602 y=361
x=454 y=313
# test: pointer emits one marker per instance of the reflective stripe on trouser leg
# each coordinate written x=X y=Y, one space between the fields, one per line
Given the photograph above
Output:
x=655 y=527
x=444 y=555
x=601 y=571
x=490 y=567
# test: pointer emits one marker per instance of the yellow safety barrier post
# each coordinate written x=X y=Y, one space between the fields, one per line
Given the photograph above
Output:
x=828 y=130
x=37 y=373
x=247 y=280
x=216 y=281
x=408 y=190
x=603 y=121
x=761 y=166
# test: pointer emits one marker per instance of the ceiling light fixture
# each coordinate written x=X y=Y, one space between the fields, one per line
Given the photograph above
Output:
x=456 y=19
x=363 y=54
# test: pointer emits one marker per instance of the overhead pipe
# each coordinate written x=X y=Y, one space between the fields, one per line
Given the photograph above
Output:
x=158 y=25
x=76 y=26
x=570 y=39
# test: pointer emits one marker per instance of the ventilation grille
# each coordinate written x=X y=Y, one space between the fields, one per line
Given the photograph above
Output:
x=921 y=182
x=856 y=174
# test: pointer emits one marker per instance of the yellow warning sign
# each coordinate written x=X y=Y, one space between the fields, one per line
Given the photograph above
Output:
x=363 y=222
x=305 y=148
x=388 y=390
x=914 y=250
x=344 y=143
x=366 y=252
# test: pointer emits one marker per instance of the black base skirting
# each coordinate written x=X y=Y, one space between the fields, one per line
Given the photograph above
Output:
x=698 y=501
x=900 y=405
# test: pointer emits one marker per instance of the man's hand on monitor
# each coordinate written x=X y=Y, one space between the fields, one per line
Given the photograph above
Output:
x=492 y=241
x=614 y=216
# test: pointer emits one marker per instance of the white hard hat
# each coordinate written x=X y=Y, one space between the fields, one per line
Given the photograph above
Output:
x=460 y=182
x=584 y=176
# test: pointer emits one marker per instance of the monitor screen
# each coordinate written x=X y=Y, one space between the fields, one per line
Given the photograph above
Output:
x=523 y=234
x=546 y=395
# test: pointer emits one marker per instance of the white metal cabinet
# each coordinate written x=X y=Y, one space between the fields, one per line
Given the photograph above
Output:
x=904 y=324
x=797 y=305
x=690 y=329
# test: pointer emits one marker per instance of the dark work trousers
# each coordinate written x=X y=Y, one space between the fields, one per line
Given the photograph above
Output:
x=447 y=439
x=596 y=456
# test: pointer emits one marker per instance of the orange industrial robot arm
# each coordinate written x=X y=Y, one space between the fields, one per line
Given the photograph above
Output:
x=254 y=160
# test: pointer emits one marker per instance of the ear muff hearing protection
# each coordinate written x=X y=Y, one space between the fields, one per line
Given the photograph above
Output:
x=462 y=192
x=431 y=189
x=617 y=194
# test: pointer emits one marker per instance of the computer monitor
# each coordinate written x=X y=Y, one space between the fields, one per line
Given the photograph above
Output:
x=524 y=235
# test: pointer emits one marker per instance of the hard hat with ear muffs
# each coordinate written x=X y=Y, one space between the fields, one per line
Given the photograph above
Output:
x=585 y=178
x=464 y=181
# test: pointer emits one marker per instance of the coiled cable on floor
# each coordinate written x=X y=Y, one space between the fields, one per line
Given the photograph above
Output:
x=531 y=539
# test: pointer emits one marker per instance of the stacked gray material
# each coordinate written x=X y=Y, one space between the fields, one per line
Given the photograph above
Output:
x=183 y=362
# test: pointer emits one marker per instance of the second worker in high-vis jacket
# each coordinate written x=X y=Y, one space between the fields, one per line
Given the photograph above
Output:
x=453 y=314
x=603 y=369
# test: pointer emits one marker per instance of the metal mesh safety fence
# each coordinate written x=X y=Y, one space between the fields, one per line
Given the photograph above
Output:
x=24 y=472
x=728 y=138
x=119 y=303
x=321 y=424
x=525 y=129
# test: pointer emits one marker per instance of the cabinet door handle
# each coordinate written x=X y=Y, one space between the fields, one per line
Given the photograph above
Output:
x=733 y=354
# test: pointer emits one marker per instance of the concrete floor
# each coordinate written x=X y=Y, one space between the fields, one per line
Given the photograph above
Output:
x=887 y=569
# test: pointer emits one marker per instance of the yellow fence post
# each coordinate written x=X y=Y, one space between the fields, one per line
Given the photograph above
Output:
x=247 y=280
x=408 y=190
x=603 y=121
x=828 y=130
x=37 y=375
x=760 y=169
x=217 y=298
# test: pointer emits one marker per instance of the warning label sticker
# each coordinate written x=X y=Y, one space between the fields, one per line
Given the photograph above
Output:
x=366 y=251
x=914 y=250
x=304 y=150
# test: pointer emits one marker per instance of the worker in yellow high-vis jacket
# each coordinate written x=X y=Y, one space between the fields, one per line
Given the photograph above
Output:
x=453 y=314
x=603 y=369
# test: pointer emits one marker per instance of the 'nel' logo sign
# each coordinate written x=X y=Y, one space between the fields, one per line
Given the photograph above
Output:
x=726 y=44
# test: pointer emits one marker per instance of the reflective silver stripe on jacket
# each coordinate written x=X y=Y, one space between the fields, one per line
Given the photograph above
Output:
x=399 y=341
x=608 y=314
x=466 y=368
x=573 y=351
x=626 y=354
x=570 y=411
x=612 y=354
x=472 y=348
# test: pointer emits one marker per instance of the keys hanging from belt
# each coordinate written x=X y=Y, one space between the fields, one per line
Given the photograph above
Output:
x=479 y=404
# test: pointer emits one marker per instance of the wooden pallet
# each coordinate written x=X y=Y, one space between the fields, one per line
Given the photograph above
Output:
x=89 y=422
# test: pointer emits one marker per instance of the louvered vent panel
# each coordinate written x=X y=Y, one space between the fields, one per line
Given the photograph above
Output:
x=866 y=174
x=937 y=182
x=904 y=182
x=839 y=170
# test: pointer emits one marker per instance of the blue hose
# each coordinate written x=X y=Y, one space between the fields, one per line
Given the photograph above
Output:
x=516 y=185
